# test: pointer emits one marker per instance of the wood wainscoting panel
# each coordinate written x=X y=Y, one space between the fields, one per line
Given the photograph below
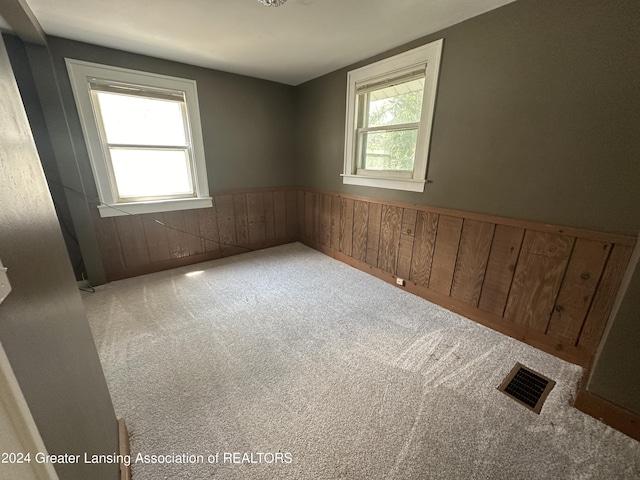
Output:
x=360 y=224
x=543 y=261
x=505 y=249
x=445 y=253
x=346 y=226
x=549 y=286
x=473 y=254
x=604 y=297
x=578 y=286
x=373 y=234
x=390 y=226
x=405 y=247
x=237 y=222
x=423 y=245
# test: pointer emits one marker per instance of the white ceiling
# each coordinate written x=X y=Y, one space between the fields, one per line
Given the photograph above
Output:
x=301 y=40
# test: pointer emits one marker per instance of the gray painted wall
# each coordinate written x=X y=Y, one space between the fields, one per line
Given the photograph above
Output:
x=43 y=327
x=537 y=117
x=247 y=123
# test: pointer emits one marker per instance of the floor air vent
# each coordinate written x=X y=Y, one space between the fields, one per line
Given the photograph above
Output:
x=527 y=387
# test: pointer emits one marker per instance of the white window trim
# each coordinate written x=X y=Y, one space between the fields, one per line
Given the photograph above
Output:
x=80 y=72
x=430 y=55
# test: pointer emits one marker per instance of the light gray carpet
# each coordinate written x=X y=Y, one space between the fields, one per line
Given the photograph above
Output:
x=288 y=350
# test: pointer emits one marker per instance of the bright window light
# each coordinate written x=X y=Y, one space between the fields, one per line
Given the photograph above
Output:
x=144 y=139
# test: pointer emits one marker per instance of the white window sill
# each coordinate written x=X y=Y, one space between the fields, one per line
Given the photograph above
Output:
x=407 y=184
x=137 y=208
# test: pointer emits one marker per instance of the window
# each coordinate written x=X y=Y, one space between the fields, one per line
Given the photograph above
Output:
x=390 y=107
x=144 y=139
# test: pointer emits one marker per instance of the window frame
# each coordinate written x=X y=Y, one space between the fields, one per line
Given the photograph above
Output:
x=81 y=75
x=427 y=57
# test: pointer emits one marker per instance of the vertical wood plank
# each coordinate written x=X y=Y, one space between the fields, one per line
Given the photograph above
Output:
x=280 y=213
x=473 y=254
x=543 y=261
x=346 y=226
x=423 y=243
x=268 y=200
x=405 y=248
x=360 y=223
x=226 y=220
x=390 y=226
x=308 y=215
x=195 y=243
x=208 y=220
x=176 y=236
x=604 y=297
x=301 y=213
x=373 y=233
x=445 y=253
x=335 y=223
x=291 y=215
x=317 y=216
x=578 y=286
x=241 y=218
x=255 y=218
x=132 y=239
x=325 y=221
x=156 y=237
x=501 y=266
x=109 y=242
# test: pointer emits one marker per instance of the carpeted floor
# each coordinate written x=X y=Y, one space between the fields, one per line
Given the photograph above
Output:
x=287 y=350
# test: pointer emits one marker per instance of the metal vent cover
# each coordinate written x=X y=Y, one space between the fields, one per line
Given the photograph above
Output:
x=527 y=387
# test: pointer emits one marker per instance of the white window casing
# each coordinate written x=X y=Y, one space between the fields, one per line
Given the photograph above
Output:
x=88 y=79
x=421 y=62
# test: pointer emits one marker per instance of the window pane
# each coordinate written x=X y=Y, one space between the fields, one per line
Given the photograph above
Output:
x=151 y=173
x=389 y=150
x=396 y=104
x=135 y=120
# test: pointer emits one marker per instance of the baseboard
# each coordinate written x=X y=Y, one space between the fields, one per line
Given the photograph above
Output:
x=124 y=449
x=547 y=343
x=609 y=413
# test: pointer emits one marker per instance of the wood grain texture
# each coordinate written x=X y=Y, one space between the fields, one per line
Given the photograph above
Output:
x=255 y=218
x=176 y=236
x=280 y=213
x=473 y=254
x=269 y=215
x=390 y=226
x=300 y=227
x=543 y=261
x=155 y=236
x=192 y=226
x=405 y=247
x=445 y=254
x=317 y=216
x=373 y=233
x=577 y=289
x=360 y=225
x=308 y=215
x=291 y=216
x=325 y=221
x=346 y=225
x=505 y=249
x=226 y=220
x=241 y=218
x=604 y=297
x=423 y=245
x=208 y=221
x=132 y=240
x=109 y=243
x=335 y=222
